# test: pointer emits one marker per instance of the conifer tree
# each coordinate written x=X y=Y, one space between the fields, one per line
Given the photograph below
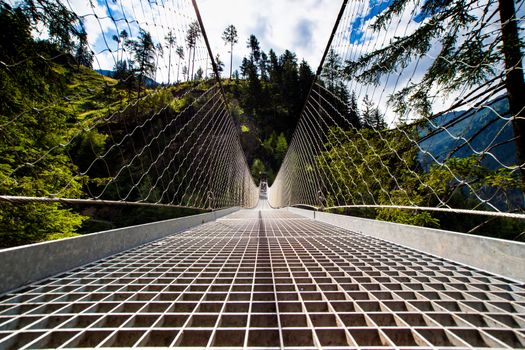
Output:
x=332 y=70
x=306 y=78
x=170 y=44
x=144 y=54
x=470 y=47
x=230 y=37
x=255 y=49
x=180 y=54
x=192 y=35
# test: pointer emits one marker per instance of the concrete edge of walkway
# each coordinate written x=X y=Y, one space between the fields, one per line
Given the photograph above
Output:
x=502 y=257
x=25 y=264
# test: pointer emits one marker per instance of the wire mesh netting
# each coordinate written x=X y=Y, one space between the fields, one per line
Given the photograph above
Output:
x=116 y=101
x=415 y=106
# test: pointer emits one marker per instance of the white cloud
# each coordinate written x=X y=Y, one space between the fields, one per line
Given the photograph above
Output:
x=274 y=22
x=97 y=23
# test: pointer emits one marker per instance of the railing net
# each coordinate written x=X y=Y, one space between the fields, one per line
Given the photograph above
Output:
x=156 y=129
x=414 y=113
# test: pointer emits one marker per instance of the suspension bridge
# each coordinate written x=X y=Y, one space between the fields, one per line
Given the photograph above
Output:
x=413 y=123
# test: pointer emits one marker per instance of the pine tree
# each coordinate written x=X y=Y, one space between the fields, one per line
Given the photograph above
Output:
x=245 y=66
x=470 y=47
x=220 y=65
x=199 y=75
x=144 y=54
x=263 y=66
x=235 y=76
x=123 y=38
x=170 y=44
x=230 y=37
x=332 y=70
x=180 y=54
x=371 y=117
x=255 y=49
x=461 y=62
x=353 y=111
x=83 y=55
x=63 y=26
x=159 y=52
x=192 y=35
x=290 y=84
x=306 y=78
x=275 y=72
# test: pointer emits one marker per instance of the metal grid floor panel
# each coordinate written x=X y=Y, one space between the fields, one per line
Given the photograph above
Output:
x=267 y=279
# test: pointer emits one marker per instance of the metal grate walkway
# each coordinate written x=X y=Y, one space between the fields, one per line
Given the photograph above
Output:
x=267 y=279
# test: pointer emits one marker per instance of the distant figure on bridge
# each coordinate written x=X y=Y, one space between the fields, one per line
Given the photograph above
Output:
x=263 y=185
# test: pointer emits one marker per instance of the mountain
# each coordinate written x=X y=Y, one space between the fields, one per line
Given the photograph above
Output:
x=485 y=128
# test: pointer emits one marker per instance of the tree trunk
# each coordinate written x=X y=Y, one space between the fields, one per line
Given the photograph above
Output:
x=141 y=77
x=178 y=70
x=514 y=78
x=156 y=68
x=231 y=60
x=140 y=86
x=169 y=67
x=189 y=64
x=193 y=65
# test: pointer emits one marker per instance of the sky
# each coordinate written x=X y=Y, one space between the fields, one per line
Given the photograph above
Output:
x=303 y=26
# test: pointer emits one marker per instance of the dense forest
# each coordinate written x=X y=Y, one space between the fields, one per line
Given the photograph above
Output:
x=269 y=94
x=267 y=97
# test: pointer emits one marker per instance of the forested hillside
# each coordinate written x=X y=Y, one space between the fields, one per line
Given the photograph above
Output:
x=34 y=118
x=267 y=96
x=54 y=112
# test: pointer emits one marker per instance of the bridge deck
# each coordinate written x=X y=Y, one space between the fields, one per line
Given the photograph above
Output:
x=267 y=279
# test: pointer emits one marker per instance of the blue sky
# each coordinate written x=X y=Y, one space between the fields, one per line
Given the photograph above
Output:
x=376 y=7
